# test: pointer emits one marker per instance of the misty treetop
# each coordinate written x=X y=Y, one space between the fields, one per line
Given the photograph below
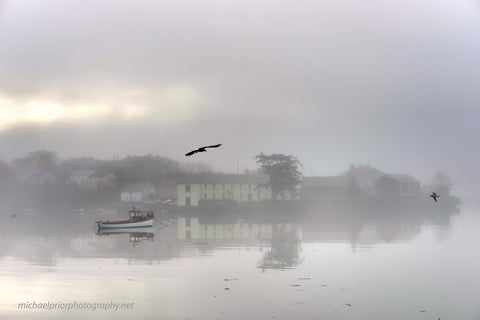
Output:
x=41 y=177
x=151 y=168
x=283 y=172
x=441 y=183
x=40 y=159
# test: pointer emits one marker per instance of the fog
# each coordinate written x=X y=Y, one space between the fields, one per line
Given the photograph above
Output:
x=393 y=85
x=377 y=100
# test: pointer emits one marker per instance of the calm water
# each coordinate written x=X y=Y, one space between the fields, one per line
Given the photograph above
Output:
x=320 y=265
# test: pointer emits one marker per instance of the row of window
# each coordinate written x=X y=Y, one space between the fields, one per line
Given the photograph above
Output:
x=228 y=196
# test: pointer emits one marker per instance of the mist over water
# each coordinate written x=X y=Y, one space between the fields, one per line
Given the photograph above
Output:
x=319 y=263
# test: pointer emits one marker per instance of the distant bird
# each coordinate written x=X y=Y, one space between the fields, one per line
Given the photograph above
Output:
x=202 y=149
x=434 y=196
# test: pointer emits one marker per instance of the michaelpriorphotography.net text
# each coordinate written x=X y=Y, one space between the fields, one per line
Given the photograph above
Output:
x=75 y=306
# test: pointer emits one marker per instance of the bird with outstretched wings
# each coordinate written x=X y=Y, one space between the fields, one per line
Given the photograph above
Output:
x=202 y=149
x=434 y=196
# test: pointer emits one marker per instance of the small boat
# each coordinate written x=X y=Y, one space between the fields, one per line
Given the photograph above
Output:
x=137 y=218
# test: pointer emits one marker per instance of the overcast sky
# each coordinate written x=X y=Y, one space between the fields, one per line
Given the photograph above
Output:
x=393 y=84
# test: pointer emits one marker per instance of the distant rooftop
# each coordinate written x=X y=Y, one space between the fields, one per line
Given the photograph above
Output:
x=403 y=178
x=365 y=175
x=227 y=178
x=364 y=170
x=318 y=182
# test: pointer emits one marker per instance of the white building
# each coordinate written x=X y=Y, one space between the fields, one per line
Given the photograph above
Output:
x=81 y=177
x=138 y=192
x=217 y=187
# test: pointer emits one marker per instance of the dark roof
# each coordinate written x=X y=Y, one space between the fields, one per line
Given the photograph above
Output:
x=403 y=178
x=331 y=182
x=168 y=184
x=365 y=175
x=226 y=178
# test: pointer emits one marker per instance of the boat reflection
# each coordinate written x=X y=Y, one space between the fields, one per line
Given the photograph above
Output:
x=135 y=234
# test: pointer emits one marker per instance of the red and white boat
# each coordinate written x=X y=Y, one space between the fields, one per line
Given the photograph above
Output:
x=137 y=218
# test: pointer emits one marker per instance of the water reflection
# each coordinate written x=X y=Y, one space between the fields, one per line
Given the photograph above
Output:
x=284 y=238
x=135 y=234
x=285 y=248
x=187 y=256
x=280 y=233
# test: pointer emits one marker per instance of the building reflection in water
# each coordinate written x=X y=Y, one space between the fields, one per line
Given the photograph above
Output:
x=190 y=228
x=360 y=226
x=284 y=238
x=280 y=236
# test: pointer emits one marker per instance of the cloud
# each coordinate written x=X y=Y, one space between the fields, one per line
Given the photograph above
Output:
x=165 y=105
x=331 y=81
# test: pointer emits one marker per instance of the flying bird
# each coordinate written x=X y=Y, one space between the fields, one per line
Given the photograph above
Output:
x=202 y=149
x=434 y=196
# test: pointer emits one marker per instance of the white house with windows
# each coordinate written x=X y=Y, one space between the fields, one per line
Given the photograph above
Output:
x=81 y=177
x=138 y=192
x=222 y=186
